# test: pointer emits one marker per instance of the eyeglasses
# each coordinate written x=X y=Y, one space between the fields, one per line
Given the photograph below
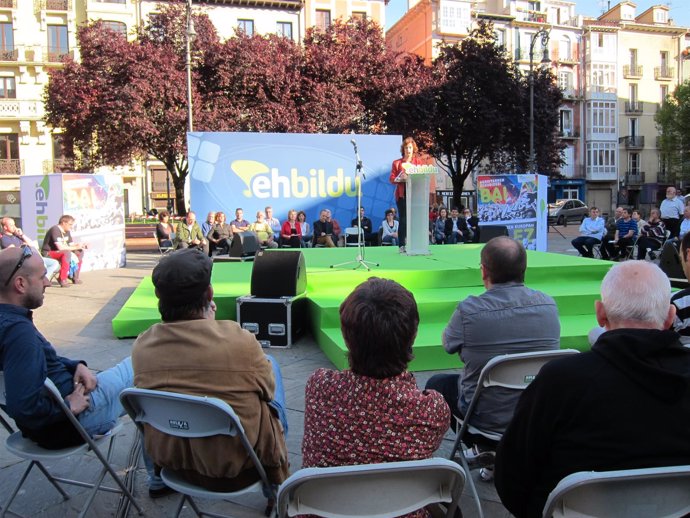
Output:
x=26 y=252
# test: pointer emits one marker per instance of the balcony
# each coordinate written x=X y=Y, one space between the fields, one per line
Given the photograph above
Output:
x=634 y=178
x=635 y=107
x=20 y=109
x=11 y=167
x=55 y=54
x=8 y=4
x=632 y=71
x=633 y=142
x=59 y=165
x=52 y=5
x=601 y=174
x=664 y=73
x=572 y=133
x=9 y=54
x=570 y=59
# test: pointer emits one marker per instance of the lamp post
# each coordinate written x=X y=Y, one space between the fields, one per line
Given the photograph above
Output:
x=542 y=34
x=191 y=36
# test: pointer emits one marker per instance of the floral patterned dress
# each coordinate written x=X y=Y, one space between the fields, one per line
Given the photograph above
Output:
x=352 y=419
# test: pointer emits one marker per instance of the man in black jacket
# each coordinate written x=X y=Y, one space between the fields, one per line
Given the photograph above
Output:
x=625 y=404
x=456 y=228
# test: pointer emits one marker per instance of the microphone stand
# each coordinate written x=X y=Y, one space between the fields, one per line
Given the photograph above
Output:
x=359 y=261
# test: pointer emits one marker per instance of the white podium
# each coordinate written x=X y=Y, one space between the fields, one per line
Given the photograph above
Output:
x=417 y=198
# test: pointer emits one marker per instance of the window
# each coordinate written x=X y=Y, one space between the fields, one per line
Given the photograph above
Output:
x=8 y=89
x=660 y=16
x=500 y=37
x=564 y=49
x=6 y=42
x=118 y=27
x=565 y=80
x=634 y=163
x=323 y=19
x=566 y=122
x=601 y=157
x=663 y=59
x=359 y=15
x=57 y=42
x=664 y=93
x=570 y=193
x=633 y=127
x=246 y=27
x=633 y=92
x=633 y=58
x=600 y=40
x=601 y=117
x=9 y=146
x=284 y=29
x=603 y=77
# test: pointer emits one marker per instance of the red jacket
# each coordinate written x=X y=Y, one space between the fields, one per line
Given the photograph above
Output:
x=396 y=169
x=286 y=230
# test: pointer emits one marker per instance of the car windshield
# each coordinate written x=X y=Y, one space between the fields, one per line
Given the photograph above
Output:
x=558 y=204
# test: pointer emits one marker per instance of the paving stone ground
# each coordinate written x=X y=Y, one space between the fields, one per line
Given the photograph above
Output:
x=77 y=320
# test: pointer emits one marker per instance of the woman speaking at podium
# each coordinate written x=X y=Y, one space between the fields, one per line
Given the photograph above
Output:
x=408 y=150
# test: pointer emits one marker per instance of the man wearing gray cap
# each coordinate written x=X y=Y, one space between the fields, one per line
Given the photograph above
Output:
x=192 y=353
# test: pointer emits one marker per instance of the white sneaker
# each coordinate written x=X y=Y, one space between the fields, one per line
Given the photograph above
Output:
x=478 y=458
x=401 y=250
x=486 y=474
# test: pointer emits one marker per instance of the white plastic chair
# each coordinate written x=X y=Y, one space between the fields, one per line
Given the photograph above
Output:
x=27 y=449
x=353 y=232
x=512 y=371
x=635 y=493
x=162 y=249
x=372 y=490
x=187 y=416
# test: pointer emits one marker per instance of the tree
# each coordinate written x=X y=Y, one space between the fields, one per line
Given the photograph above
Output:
x=673 y=121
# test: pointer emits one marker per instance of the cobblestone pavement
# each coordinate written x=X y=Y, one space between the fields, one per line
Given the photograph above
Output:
x=77 y=321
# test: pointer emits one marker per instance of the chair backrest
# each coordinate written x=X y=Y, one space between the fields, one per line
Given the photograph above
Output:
x=372 y=490
x=659 y=492
x=186 y=416
x=488 y=232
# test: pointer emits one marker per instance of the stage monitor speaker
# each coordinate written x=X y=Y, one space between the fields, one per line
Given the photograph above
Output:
x=669 y=262
x=243 y=244
x=488 y=232
x=278 y=274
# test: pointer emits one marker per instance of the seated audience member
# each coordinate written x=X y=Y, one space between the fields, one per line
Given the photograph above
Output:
x=323 y=230
x=685 y=223
x=336 y=226
x=671 y=209
x=637 y=218
x=389 y=419
x=610 y=231
x=390 y=228
x=591 y=233
x=472 y=224
x=291 y=232
x=188 y=234
x=239 y=224
x=58 y=245
x=440 y=226
x=652 y=236
x=456 y=228
x=274 y=223
x=13 y=236
x=626 y=233
x=507 y=318
x=623 y=405
x=681 y=299
x=164 y=230
x=220 y=235
x=307 y=233
x=263 y=231
x=192 y=353
x=367 y=235
x=210 y=221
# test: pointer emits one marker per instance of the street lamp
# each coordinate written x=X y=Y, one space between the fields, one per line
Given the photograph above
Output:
x=542 y=34
x=191 y=36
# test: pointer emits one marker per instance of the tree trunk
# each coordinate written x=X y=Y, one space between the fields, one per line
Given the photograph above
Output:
x=180 y=206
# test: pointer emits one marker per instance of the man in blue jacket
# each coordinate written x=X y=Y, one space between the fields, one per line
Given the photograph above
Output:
x=592 y=231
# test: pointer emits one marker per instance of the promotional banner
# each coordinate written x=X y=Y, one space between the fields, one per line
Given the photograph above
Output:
x=519 y=203
x=96 y=202
x=291 y=171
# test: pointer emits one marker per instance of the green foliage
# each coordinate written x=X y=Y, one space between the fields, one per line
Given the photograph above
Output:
x=673 y=121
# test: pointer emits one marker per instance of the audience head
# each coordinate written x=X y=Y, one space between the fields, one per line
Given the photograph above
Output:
x=211 y=217
x=191 y=218
x=671 y=192
x=220 y=217
x=301 y=216
x=408 y=147
x=443 y=213
x=66 y=221
x=593 y=212
x=390 y=213
x=636 y=215
x=686 y=212
x=269 y=212
x=323 y=215
x=654 y=215
x=619 y=212
x=22 y=277
x=8 y=225
x=292 y=215
x=162 y=215
x=623 y=289
x=503 y=260
x=626 y=214
x=239 y=213
x=684 y=249
x=183 y=285
x=467 y=213
x=379 y=322
x=259 y=215
x=454 y=213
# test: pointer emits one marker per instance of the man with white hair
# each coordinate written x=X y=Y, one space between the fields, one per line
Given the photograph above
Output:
x=625 y=404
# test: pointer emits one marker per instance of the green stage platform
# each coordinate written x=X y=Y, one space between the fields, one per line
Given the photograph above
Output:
x=438 y=282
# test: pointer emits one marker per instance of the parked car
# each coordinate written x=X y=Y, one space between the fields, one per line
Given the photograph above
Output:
x=567 y=210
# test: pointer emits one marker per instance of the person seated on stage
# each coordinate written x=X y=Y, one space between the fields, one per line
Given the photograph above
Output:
x=652 y=236
x=291 y=232
x=263 y=231
x=440 y=227
x=456 y=228
x=220 y=235
x=274 y=223
x=507 y=318
x=472 y=224
x=323 y=230
x=390 y=228
x=210 y=221
x=188 y=234
x=165 y=233
x=626 y=233
x=637 y=218
x=610 y=232
x=13 y=236
x=58 y=245
x=591 y=233
x=390 y=419
x=239 y=224
x=307 y=233
x=367 y=236
x=624 y=404
x=336 y=226
x=193 y=353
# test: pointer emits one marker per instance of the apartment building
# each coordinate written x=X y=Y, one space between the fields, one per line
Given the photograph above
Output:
x=35 y=36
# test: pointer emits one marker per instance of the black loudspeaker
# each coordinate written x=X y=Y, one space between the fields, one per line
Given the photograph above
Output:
x=278 y=274
x=243 y=244
x=488 y=232
x=669 y=262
